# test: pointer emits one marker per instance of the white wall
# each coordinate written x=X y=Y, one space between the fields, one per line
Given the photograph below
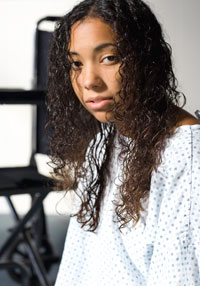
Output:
x=181 y=23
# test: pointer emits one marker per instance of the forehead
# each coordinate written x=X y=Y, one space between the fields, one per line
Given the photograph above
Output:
x=91 y=31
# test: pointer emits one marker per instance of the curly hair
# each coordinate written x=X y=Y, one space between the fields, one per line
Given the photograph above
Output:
x=149 y=103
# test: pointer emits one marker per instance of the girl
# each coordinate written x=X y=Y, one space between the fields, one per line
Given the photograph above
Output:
x=126 y=148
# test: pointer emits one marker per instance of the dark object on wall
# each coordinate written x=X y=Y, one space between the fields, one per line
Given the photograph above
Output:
x=197 y=113
x=42 y=44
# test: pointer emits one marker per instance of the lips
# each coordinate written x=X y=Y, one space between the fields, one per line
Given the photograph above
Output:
x=98 y=102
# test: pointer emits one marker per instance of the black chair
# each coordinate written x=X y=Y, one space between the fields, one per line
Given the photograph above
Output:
x=27 y=252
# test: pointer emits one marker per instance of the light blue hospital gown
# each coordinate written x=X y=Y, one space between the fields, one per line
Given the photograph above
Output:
x=163 y=248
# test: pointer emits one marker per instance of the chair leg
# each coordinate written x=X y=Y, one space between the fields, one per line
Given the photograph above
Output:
x=39 y=224
x=21 y=267
x=22 y=223
x=31 y=249
x=37 y=263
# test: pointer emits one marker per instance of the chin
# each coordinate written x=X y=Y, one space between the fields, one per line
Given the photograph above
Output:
x=102 y=120
x=104 y=117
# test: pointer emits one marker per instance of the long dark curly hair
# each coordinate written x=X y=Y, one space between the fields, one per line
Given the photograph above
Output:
x=149 y=103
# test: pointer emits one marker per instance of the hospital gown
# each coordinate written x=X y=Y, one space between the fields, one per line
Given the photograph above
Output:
x=164 y=247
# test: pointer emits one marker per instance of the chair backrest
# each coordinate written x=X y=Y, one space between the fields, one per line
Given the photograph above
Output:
x=42 y=43
x=36 y=99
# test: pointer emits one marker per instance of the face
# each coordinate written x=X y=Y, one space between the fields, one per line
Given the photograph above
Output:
x=94 y=67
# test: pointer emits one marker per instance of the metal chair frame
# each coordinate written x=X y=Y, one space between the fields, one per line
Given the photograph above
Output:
x=23 y=227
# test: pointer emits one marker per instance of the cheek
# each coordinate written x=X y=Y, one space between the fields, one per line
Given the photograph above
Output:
x=116 y=76
x=76 y=87
x=115 y=83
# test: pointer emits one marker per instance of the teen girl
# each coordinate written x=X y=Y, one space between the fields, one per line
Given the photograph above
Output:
x=126 y=148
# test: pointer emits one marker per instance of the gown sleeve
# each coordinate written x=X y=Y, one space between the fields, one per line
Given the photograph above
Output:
x=175 y=194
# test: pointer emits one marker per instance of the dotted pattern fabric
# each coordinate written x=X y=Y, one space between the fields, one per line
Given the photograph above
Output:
x=164 y=247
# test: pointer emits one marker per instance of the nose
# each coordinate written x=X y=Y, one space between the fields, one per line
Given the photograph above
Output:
x=91 y=78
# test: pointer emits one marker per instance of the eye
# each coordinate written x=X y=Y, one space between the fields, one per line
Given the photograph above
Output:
x=75 y=64
x=110 y=59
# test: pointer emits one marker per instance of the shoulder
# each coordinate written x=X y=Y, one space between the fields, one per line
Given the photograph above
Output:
x=185 y=118
x=186 y=135
x=180 y=163
x=182 y=147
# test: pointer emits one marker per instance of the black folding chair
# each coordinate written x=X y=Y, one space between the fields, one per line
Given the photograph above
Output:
x=27 y=252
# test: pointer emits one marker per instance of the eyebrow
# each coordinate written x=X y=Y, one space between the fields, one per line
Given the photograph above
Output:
x=96 y=49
